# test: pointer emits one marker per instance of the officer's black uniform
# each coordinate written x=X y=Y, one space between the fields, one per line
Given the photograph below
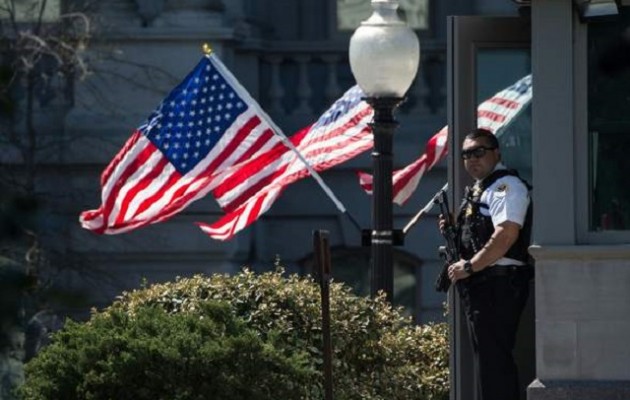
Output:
x=493 y=298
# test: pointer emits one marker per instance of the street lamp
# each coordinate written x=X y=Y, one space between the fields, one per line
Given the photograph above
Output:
x=384 y=58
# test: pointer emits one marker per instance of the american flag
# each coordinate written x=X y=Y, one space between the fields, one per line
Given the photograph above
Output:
x=494 y=114
x=206 y=125
x=340 y=134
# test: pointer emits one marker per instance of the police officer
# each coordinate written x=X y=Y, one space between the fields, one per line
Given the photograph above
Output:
x=492 y=276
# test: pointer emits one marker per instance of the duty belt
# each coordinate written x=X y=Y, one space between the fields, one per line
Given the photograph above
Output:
x=520 y=271
x=506 y=270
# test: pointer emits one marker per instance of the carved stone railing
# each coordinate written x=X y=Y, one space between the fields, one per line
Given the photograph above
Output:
x=306 y=77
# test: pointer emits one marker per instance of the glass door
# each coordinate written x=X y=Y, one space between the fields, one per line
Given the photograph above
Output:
x=487 y=55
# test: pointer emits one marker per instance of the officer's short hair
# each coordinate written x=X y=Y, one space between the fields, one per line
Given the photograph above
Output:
x=486 y=134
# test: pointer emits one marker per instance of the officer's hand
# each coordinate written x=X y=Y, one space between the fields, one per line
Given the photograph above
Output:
x=456 y=271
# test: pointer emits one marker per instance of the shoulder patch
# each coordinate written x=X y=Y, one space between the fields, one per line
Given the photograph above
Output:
x=503 y=187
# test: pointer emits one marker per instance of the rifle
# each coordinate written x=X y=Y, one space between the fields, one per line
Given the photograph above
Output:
x=449 y=253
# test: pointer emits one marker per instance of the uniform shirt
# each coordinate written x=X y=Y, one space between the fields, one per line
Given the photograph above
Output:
x=507 y=199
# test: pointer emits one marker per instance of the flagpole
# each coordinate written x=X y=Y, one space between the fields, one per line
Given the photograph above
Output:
x=354 y=221
x=423 y=211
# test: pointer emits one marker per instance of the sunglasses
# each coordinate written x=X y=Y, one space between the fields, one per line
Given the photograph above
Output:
x=476 y=152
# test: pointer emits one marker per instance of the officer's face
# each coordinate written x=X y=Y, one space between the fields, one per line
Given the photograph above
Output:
x=479 y=157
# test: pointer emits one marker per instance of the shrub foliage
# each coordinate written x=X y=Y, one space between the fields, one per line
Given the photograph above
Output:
x=246 y=336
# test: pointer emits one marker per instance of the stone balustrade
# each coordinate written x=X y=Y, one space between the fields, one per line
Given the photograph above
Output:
x=305 y=78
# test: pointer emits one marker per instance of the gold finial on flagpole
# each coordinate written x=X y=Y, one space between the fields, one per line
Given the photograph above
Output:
x=206 y=49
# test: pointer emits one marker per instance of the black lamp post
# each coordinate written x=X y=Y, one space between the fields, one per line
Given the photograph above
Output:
x=384 y=57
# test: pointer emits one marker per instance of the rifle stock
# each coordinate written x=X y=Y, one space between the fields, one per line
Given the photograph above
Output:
x=442 y=282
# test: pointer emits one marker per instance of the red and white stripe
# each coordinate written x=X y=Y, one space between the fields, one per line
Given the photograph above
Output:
x=243 y=216
x=497 y=112
x=406 y=180
x=322 y=148
x=494 y=114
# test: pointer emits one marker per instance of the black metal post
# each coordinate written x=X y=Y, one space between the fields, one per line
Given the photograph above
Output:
x=383 y=127
x=321 y=244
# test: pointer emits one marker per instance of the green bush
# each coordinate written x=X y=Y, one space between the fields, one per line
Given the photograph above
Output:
x=245 y=336
x=154 y=355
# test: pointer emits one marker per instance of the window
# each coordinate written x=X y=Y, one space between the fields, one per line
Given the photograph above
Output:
x=350 y=13
x=609 y=123
x=29 y=10
x=497 y=69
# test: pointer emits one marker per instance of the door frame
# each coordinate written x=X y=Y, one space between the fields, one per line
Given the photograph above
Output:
x=466 y=35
